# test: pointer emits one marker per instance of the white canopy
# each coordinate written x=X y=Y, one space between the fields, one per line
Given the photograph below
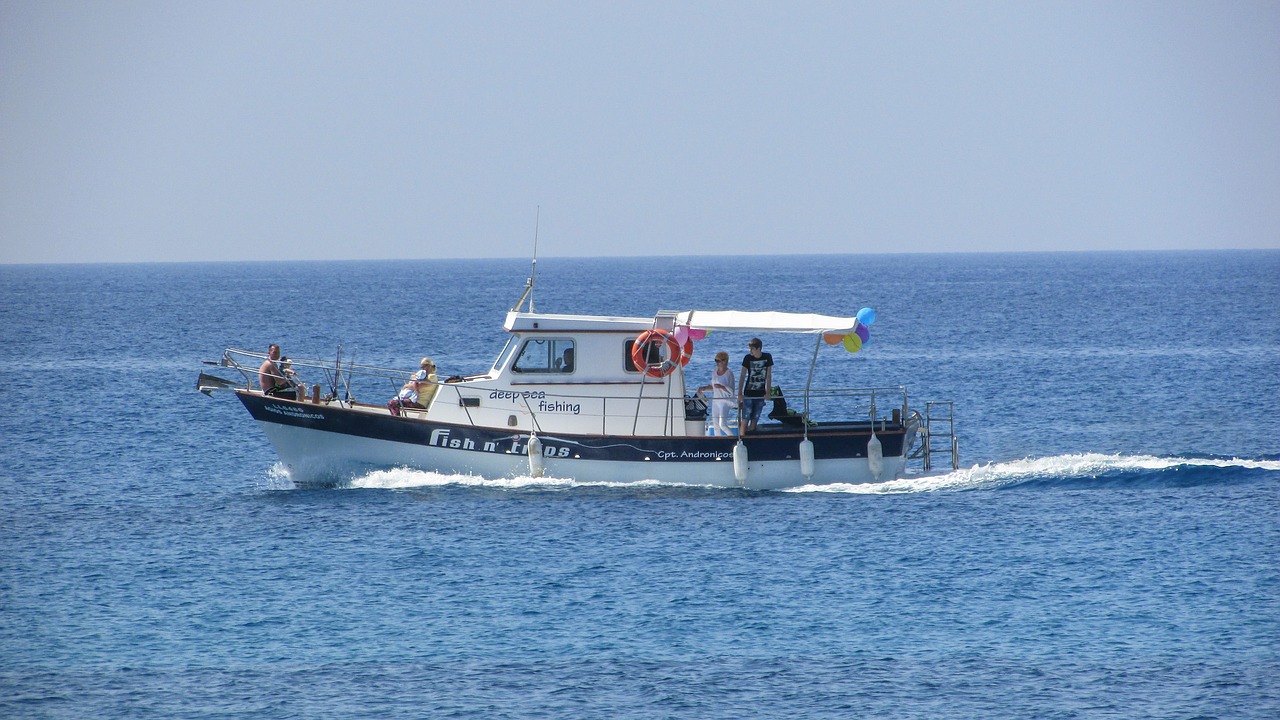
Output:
x=765 y=321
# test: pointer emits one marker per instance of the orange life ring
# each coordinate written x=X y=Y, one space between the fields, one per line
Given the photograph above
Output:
x=640 y=349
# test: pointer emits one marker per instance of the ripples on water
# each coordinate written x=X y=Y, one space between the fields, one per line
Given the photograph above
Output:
x=1108 y=549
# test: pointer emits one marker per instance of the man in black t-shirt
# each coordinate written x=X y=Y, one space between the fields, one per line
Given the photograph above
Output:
x=753 y=387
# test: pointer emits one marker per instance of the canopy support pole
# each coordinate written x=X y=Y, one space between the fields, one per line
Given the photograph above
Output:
x=813 y=364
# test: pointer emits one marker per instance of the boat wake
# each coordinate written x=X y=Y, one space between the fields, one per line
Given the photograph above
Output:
x=1080 y=470
x=1071 y=471
x=402 y=478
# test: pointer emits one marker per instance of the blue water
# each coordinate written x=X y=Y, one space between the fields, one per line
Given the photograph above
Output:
x=1109 y=548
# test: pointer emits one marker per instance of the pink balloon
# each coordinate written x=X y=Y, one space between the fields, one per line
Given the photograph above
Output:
x=696 y=334
x=681 y=334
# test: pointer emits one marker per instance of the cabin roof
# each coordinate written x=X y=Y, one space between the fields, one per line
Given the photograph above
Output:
x=540 y=322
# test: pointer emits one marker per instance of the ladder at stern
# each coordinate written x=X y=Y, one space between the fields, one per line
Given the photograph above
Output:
x=940 y=433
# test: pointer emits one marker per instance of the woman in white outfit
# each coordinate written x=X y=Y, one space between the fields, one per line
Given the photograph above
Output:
x=722 y=397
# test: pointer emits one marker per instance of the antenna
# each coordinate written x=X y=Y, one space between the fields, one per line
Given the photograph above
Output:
x=533 y=271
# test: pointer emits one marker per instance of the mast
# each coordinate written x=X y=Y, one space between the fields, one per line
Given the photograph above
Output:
x=533 y=271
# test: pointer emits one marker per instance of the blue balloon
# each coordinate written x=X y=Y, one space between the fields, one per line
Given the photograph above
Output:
x=866 y=316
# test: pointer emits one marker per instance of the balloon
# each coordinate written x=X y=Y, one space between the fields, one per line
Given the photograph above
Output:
x=833 y=338
x=863 y=334
x=866 y=316
x=697 y=334
x=681 y=334
x=852 y=343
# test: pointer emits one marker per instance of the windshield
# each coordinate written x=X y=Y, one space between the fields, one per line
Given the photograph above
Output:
x=504 y=356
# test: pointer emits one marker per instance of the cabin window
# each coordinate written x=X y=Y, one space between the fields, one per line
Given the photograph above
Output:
x=543 y=355
x=653 y=355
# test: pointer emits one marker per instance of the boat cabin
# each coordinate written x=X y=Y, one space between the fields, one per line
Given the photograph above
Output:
x=575 y=374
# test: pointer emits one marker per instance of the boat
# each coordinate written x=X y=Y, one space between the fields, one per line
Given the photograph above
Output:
x=617 y=408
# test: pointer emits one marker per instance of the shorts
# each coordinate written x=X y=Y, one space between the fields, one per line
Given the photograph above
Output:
x=284 y=392
x=751 y=409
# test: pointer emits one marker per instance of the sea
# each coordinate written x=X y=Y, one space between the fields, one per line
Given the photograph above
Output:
x=1108 y=547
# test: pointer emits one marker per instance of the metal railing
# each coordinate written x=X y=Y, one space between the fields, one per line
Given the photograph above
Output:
x=342 y=382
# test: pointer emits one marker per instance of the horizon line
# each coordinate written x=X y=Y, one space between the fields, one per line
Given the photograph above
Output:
x=29 y=263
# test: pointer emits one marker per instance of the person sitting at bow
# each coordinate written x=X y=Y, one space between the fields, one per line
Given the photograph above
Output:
x=274 y=379
x=419 y=391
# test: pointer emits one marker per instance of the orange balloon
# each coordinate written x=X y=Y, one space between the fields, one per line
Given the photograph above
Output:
x=833 y=338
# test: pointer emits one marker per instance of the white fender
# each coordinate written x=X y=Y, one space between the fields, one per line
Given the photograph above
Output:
x=740 y=463
x=536 y=463
x=806 y=458
x=875 y=456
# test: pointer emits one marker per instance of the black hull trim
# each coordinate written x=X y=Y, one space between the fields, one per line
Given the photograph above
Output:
x=772 y=442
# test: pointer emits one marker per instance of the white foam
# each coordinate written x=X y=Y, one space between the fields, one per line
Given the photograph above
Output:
x=399 y=478
x=977 y=477
x=1012 y=472
x=277 y=478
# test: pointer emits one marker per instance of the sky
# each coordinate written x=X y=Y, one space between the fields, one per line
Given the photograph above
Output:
x=135 y=131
